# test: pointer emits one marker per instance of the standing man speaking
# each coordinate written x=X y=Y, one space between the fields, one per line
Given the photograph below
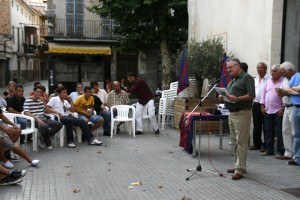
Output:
x=241 y=91
x=145 y=97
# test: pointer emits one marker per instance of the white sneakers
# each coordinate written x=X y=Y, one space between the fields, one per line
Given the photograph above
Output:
x=96 y=142
x=34 y=163
x=71 y=145
x=8 y=165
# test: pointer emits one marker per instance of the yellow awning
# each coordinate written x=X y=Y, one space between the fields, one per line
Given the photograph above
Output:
x=79 y=49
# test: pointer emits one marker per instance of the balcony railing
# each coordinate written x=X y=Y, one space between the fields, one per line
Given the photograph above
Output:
x=29 y=48
x=69 y=28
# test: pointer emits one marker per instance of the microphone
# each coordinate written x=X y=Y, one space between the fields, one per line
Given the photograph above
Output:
x=218 y=80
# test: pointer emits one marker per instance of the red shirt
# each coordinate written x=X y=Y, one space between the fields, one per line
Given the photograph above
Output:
x=142 y=90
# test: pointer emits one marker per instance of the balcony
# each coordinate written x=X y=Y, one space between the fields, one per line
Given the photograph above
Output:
x=83 y=29
x=29 y=48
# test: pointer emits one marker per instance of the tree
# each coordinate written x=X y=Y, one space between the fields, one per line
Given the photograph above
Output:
x=143 y=24
x=204 y=59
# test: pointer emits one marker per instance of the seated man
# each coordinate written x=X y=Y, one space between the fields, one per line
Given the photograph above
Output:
x=10 y=177
x=84 y=105
x=35 y=108
x=77 y=93
x=100 y=110
x=9 y=135
x=117 y=97
x=15 y=105
x=60 y=106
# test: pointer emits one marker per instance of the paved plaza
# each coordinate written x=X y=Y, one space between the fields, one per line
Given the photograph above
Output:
x=148 y=167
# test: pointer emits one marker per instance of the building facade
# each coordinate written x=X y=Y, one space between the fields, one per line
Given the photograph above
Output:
x=80 y=48
x=252 y=30
x=22 y=37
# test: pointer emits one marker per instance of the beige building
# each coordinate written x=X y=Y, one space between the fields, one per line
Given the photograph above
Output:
x=21 y=39
x=252 y=30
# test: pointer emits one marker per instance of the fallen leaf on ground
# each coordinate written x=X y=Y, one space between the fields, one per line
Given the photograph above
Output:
x=135 y=150
x=186 y=198
x=159 y=187
x=108 y=170
x=76 y=190
x=109 y=163
x=68 y=165
x=170 y=152
x=30 y=170
x=98 y=151
x=144 y=190
x=136 y=183
x=68 y=174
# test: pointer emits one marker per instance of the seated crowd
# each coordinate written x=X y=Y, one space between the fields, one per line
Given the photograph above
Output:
x=87 y=109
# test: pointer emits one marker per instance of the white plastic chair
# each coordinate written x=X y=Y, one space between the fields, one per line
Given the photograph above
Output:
x=146 y=115
x=124 y=115
x=12 y=117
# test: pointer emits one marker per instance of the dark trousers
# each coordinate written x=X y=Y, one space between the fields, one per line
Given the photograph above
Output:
x=69 y=122
x=258 y=127
x=107 y=118
x=273 y=127
x=49 y=129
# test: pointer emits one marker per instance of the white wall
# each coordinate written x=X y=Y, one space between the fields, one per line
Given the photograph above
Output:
x=251 y=29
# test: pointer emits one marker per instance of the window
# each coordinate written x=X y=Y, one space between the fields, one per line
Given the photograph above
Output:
x=74 y=17
x=22 y=11
x=12 y=3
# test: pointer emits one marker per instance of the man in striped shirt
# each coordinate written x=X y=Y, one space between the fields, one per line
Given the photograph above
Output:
x=35 y=108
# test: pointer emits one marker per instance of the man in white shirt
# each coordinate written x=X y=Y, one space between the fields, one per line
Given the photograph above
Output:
x=61 y=106
x=258 y=118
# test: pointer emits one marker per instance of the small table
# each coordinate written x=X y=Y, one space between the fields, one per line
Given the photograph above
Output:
x=188 y=129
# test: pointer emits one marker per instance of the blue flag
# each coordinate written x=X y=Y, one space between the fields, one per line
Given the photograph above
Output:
x=183 y=78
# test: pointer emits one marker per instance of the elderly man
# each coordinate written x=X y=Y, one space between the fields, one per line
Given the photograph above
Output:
x=288 y=131
x=293 y=89
x=258 y=118
x=272 y=108
x=145 y=97
x=77 y=93
x=117 y=97
x=241 y=91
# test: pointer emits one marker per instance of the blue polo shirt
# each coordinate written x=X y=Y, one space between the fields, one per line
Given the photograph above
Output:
x=295 y=81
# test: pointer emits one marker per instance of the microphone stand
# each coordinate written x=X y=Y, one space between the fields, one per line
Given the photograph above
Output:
x=199 y=167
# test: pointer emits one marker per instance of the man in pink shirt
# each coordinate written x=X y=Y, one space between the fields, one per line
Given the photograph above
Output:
x=272 y=109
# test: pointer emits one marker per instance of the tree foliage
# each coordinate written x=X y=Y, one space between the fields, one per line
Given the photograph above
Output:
x=143 y=24
x=204 y=59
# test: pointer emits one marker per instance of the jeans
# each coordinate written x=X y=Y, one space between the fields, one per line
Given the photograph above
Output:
x=69 y=122
x=273 y=124
x=258 y=128
x=23 y=123
x=49 y=129
x=297 y=134
x=107 y=119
